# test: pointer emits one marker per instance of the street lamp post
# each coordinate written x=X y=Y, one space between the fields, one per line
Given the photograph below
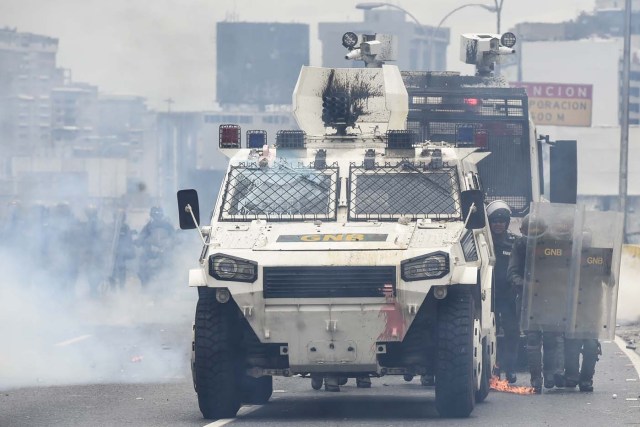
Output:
x=374 y=5
x=624 y=126
x=497 y=9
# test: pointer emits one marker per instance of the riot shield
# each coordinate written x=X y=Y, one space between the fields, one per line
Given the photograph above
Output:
x=547 y=272
x=595 y=289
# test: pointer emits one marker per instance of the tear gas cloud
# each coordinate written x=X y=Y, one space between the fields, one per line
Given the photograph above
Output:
x=66 y=318
x=629 y=292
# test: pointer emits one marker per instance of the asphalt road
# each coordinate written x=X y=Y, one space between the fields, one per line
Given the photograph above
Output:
x=391 y=401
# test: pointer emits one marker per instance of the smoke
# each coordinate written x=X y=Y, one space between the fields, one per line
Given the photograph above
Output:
x=57 y=331
x=629 y=292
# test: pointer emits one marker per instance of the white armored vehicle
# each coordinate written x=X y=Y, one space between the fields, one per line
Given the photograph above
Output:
x=349 y=249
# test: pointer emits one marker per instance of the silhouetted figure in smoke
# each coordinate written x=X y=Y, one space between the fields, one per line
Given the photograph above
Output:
x=124 y=251
x=14 y=225
x=156 y=238
x=94 y=242
x=62 y=248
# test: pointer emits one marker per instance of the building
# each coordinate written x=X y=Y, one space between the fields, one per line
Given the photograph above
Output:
x=28 y=72
x=188 y=154
x=569 y=48
x=258 y=63
x=74 y=114
x=588 y=50
x=419 y=47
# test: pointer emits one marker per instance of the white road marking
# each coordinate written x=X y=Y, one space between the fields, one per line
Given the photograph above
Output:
x=245 y=410
x=73 y=340
x=632 y=355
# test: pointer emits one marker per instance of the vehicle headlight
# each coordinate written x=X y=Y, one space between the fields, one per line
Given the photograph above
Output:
x=430 y=266
x=226 y=267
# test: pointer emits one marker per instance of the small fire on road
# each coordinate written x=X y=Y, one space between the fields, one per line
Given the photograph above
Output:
x=503 y=385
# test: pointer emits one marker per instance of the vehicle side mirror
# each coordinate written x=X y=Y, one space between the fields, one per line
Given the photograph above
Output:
x=473 y=208
x=187 y=204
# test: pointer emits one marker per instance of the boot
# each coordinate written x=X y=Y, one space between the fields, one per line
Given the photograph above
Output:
x=570 y=383
x=559 y=380
x=586 y=385
x=363 y=382
x=511 y=377
x=549 y=381
x=331 y=384
x=536 y=383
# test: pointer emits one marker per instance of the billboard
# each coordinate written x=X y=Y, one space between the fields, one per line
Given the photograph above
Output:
x=259 y=63
x=559 y=104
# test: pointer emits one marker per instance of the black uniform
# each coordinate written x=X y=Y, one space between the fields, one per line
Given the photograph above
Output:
x=574 y=374
x=506 y=303
x=594 y=279
x=552 y=364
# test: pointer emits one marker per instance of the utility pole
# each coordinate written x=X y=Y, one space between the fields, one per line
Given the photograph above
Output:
x=624 y=126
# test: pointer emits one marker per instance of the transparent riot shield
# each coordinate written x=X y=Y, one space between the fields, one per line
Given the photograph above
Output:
x=547 y=272
x=594 y=292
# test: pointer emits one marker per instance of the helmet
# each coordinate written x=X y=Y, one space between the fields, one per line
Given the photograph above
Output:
x=156 y=212
x=537 y=226
x=499 y=209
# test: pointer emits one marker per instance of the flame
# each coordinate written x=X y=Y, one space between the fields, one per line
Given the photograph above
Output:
x=503 y=385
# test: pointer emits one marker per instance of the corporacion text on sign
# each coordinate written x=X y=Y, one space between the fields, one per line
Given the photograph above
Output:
x=559 y=104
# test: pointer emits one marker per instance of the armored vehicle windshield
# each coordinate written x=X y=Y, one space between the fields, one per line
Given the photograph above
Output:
x=283 y=191
x=405 y=189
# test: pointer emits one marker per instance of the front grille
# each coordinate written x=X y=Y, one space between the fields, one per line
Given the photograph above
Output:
x=329 y=282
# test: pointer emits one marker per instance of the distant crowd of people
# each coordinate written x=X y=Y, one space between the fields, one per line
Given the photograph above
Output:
x=62 y=249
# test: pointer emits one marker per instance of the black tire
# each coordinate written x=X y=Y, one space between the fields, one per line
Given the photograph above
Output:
x=316 y=382
x=483 y=392
x=455 y=388
x=216 y=357
x=257 y=391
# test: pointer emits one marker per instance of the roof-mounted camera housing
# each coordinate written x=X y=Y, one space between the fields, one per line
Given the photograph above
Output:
x=484 y=50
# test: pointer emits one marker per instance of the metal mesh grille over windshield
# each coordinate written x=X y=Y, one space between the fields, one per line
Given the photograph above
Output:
x=406 y=189
x=281 y=192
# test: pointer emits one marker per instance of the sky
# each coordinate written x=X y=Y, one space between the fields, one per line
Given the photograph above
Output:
x=166 y=48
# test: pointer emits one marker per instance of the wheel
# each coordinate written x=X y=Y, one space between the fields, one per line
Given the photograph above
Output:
x=257 y=391
x=216 y=357
x=455 y=384
x=427 y=380
x=483 y=391
x=316 y=382
x=342 y=380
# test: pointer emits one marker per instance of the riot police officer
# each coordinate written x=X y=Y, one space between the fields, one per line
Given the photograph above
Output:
x=156 y=239
x=575 y=374
x=593 y=279
x=506 y=300
x=552 y=342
